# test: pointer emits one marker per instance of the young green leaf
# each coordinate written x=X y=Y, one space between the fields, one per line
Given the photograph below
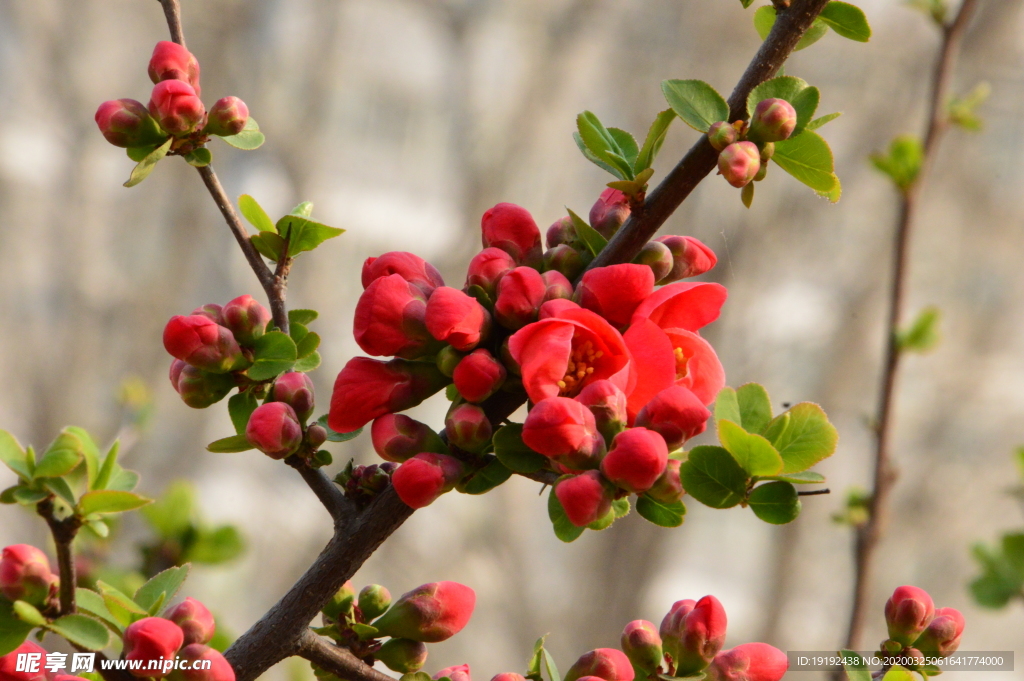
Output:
x=727 y=406
x=712 y=476
x=240 y=408
x=808 y=158
x=304 y=234
x=92 y=603
x=161 y=588
x=199 y=157
x=215 y=546
x=12 y=630
x=903 y=161
x=961 y=109
x=660 y=513
x=250 y=137
x=110 y=501
x=230 y=445
x=808 y=439
x=747 y=194
x=28 y=496
x=60 y=487
x=550 y=667
x=302 y=316
x=60 y=458
x=847 y=20
x=856 y=668
x=308 y=345
x=108 y=468
x=590 y=237
x=923 y=334
x=746 y=3
x=274 y=354
x=269 y=245
x=254 y=214
x=755 y=407
x=513 y=452
x=695 y=102
x=138 y=153
x=564 y=529
x=764 y=19
x=308 y=362
x=144 y=167
x=655 y=138
x=626 y=143
x=602 y=145
x=81 y=631
x=752 y=452
x=802 y=478
x=822 y=120
x=487 y=478
x=13 y=456
x=337 y=437
x=775 y=502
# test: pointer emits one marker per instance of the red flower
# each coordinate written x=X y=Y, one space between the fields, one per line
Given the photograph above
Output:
x=561 y=355
x=675 y=413
x=152 y=638
x=604 y=663
x=204 y=344
x=410 y=266
x=908 y=612
x=585 y=498
x=749 y=662
x=564 y=430
x=555 y=307
x=654 y=363
x=25 y=575
x=220 y=669
x=456 y=318
x=274 y=429
x=176 y=107
x=429 y=613
x=420 y=480
x=690 y=257
x=520 y=295
x=390 y=318
x=688 y=305
x=697 y=365
x=478 y=375
x=367 y=388
x=487 y=268
x=636 y=460
x=171 y=61
x=614 y=292
x=512 y=229
x=693 y=633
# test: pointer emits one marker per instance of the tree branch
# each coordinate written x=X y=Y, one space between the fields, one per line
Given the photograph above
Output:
x=339 y=661
x=334 y=500
x=63 y=532
x=885 y=474
x=172 y=11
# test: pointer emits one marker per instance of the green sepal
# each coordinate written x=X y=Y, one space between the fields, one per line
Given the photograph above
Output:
x=590 y=237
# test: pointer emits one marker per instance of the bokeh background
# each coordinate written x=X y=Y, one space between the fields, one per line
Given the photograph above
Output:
x=403 y=120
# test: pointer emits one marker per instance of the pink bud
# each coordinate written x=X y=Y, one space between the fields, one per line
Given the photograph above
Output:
x=468 y=428
x=423 y=478
x=693 y=633
x=739 y=163
x=908 y=612
x=274 y=429
x=367 y=388
x=520 y=295
x=390 y=319
x=487 y=268
x=642 y=645
x=564 y=430
x=676 y=414
x=410 y=266
x=199 y=389
x=457 y=673
x=565 y=260
x=658 y=257
x=508 y=676
x=176 y=107
x=402 y=655
x=512 y=229
x=127 y=123
x=171 y=61
x=636 y=460
x=722 y=134
x=561 y=232
x=478 y=375
x=457 y=319
x=9 y=663
x=246 y=318
x=25 y=575
x=429 y=613
x=195 y=621
x=773 y=120
x=607 y=403
x=396 y=437
x=668 y=488
x=151 y=638
x=585 y=497
x=228 y=116
x=204 y=344
x=614 y=292
x=749 y=662
x=609 y=212
x=558 y=286
x=690 y=257
x=220 y=669
x=942 y=637
x=211 y=311
x=604 y=663
x=296 y=390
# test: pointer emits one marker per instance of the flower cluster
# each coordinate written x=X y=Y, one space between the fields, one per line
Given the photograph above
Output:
x=917 y=629
x=745 y=149
x=614 y=367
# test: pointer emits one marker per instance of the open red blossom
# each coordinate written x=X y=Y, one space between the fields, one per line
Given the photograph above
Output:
x=152 y=638
x=653 y=366
x=749 y=662
x=684 y=305
x=512 y=229
x=9 y=663
x=564 y=430
x=636 y=460
x=697 y=365
x=367 y=388
x=487 y=268
x=604 y=663
x=676 y=413
x=420 y=480
x=614 y=292
x=410 y=266
x=171 y=61
x=561 y=355
x=585 y=498
x=478 y=375
x=390 y=319
x=456 y=318
x=520 y=295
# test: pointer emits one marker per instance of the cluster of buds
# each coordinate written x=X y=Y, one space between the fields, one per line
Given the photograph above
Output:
x=428 y=614
x=616 y=372
x=745 y=149
x=363 y=483
x=919 y=630
x=174 y=110
x=25 y=575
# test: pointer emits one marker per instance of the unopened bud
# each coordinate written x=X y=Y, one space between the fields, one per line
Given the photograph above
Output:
x=402 y=655
x=487 y=268
x=219 y=668
x=199 y=389
x=456 y=318
x=204 y=344
x=457 y=673
x=429 y=613
x=447 y=359
x=558 y=286
x=373 y=479
x=636 y=460
x=609 y=212
x=274 y=429
x=749 y=662
x=564 y=430
x=604 y=663
x=608 y=404
x=508 y=676
x=25 y=575
x=512 y=229
x=520 y=295
x=341 y=602
x=468 y=428
x=228 y=116
x=211 y=311
x=668 y=488
x=690 y=257
x=397 y=437
x=561 y=231
x=658 y=257
x=642 y=645
x=246 y=318
x=478 y=376
x=722 y=134
x=150 y=639
x=296 y=390
x=127 y=123
x=11 y=663
x=420 y=480
x=676 y=414
x=195 y=620
x=316 y=435
x=739 y=163
x=565 y=259
x=373 y=601
x=176 y=107
x=693 y=633
x=171 y=61
x=585 y=498
x=773 y=120
x=908 y=612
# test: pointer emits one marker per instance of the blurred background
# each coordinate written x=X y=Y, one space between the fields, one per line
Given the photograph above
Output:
x=403 y=120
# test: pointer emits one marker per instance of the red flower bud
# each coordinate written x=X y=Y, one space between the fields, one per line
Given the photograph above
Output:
x=676 y=414
x=555 y=307
x=176 y=107
x=564 y=430
x=402 y=655
x=274 y=429
x=373 y=601
x=942 y=637
x=410 y=266
x=429 y=613
x=636 y=460
x=690 y=257
x=390 y=319
x=296 y=390
x=693 y=633
x=220 y=669
x=195 y=621
x=228 y=116
x=341 y=602
x=367 y=388
x=642 y=645
x=127 y=123
x=561 y=232
x=419 y=481
x=565 y=260
x=739 y=163
x=604 y=663
x=609 y=212
x=204 y=344
x=468 y=428
x=520 y=295
x=171 y=61
x=211 y=311
x=246 y=318
x=479 y=375
x=396 y=437
x=456 y=673
x=487 y=268
x=558 y=286
x=585 y=497
x=614 y=292
x=668 y=488
x=749 y=662
x=512 y=229
x=9 y=663
x=199 y=389
x=508 y=676
x=456 y=318
x=25 y=575
x=908 y=612
x=658 y=257
x=607 y=403
x=722 y=134
x=152 y=638
x=773 y=120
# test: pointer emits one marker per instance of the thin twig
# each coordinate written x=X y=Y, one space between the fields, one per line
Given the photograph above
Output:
x=814 y=492
x=334 y=500
x=172 y=10
x=63 y=532
x=339 y=661
x=885 y=473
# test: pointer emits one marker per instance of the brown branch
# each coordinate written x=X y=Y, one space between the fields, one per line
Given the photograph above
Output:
x=63 y=532
x=172 y=11
x=885 y=474
x=338 y=661
x=334 y=500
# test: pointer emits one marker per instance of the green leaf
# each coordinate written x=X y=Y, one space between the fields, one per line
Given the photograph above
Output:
x=161 y=588
x=755 y=407
x=274 y=353
x=98 y=528
x=660 y=513
x=487 y=478
x=308 y=345
x=550 y=667
x=627 y=144
x=81 y=631
x=27 y=496
x=727 y=406
x=856 y=668
x=764 y=19
x=847 y=20
x=108 y=468
x=302 y=316
x=304 y=209
x=752 y=452
x=822 y=120
x=212 y=547
x=833 y=195
x=365 y=631
x=250 y=137
x=123 y=480
x=92 y=603
x=590 y=237
x=297 y=332
x=120 y=605
x=29 y=614
x=240 y=408
x=230 y=445
x=590 y=156
x=602 y=145
x=415 y=676
x=269 y=244
x=747 y=194
x=304 y=234
x=961 y=109
x=620 y=507
x=712 y=476
x=61 y=457
x=923 y=334
x=808 y=439
x=144 y=167
x=796 y=91
x=808 y=158
x=13 y=456
x=803 y=478
x=655 y=138
x=199 y=157
x=110 y=501
x=90 y=452
x=775 y=502
x=533 y=668
x=12 y=630
x=256 y=216
x=746 y=3
x=138 y=153
x=307 y=363
x=696 y=102
x=898 y=673
x=777 y=427
x=60 y=487
x=513 y=452
x=7 y=496
x=903 y=161
x=564 y=529
x=337 y=437
x=171 y=515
